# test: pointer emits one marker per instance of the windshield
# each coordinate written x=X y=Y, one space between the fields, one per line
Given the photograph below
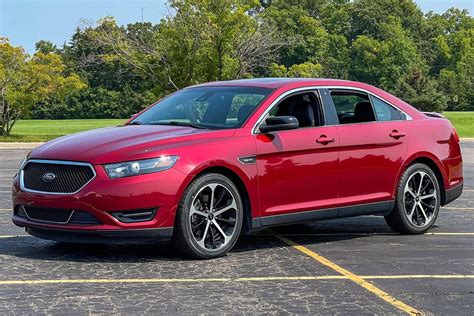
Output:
x=205 y=107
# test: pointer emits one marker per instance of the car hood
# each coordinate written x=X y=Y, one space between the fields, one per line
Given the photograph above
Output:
x=124 y=143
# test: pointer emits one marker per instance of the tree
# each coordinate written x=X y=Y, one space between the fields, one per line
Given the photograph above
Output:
x=383 y=62
x=202 y=41
x=426 y=59
x=46 y=47
x=12 y=63
x=454 y=66
x=369 y=16
x=304 y=70
x=25 y=82
x=306 y=37
x=421 y=91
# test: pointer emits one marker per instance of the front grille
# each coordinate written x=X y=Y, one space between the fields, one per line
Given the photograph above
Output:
x=67 y=177
x=52 y=215
x=57 y=216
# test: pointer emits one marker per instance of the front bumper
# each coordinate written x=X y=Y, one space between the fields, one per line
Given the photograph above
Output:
x=102 y=236
x=101 y=197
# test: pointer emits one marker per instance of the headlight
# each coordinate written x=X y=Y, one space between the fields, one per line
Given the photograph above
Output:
x=133 y=168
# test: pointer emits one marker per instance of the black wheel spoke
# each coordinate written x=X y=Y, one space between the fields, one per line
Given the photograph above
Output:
x=230 y=221
x=198 y=223
x=213 y=240
x=423 y=189
x=220 y=198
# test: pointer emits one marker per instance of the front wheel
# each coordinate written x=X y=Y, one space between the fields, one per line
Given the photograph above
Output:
x=418 y=201
x=209 y=217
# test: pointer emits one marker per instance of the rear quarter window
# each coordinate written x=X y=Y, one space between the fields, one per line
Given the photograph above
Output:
x=386 y=112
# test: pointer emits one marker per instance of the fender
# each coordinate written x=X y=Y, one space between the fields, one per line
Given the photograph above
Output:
x=422 y=154
x=249 y=181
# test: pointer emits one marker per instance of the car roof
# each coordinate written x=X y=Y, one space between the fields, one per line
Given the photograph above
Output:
x=276 y=83
x=294 y=83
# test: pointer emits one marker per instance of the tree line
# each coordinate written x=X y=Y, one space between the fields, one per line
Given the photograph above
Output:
x=112 y=71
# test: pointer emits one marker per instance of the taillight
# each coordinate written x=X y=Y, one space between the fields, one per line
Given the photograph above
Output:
x=455 y=135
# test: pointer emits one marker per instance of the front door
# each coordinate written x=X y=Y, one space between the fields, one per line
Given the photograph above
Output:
x=297 y=169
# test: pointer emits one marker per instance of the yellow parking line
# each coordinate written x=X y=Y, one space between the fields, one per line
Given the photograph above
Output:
x=13 y=282
x=243 y=279
x=12 y=236
x=353 y=277
x=291 y=278
x=450 y=234
x=173 y=280
x=417 y=276
x=458 y=208
x=359 y=234
x=308 y=234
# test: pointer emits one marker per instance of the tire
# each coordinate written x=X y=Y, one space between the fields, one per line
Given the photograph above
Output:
x=416 y=207
x=195 y=218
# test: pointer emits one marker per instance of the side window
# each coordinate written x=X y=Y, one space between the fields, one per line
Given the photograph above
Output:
x=352 y=107
x=242 y=106
x=386 y=112
x=304 y=106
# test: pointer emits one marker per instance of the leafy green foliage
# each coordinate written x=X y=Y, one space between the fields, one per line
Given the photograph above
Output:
x=421 y=91
x=112 y=71
x=28 y=81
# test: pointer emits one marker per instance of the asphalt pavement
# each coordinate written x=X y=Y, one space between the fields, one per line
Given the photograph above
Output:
x=347 y=266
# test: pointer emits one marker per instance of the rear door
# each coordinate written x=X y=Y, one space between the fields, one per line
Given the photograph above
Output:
x=373 y=144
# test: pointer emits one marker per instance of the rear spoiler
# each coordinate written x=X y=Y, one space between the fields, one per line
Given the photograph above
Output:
x=434 y=114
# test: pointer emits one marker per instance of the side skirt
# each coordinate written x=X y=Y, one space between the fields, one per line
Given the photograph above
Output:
x=377 y=208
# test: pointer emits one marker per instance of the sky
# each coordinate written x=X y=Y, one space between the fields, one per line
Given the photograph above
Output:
x=25 y=22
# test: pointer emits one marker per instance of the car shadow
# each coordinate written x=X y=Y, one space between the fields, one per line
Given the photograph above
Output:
x=314 y=233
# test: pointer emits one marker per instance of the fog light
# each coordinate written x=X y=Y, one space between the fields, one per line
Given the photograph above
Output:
x=134 y=216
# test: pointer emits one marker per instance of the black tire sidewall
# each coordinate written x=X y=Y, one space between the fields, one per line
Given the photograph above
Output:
x=400 y=207
x=185 y=208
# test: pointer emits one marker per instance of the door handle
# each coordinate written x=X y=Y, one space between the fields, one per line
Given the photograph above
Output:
x=396 y=134
x=323 y=139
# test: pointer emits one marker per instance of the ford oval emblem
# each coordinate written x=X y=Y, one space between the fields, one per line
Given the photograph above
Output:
x=48 y=177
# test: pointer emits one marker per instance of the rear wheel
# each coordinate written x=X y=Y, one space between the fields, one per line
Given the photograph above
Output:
x=418 y=201
x=209 y=217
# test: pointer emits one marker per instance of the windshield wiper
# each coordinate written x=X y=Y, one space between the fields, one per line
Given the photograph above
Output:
x=135 y=123
x=177 y=123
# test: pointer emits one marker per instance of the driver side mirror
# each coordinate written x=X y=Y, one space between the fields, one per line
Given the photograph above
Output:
x=279 y=123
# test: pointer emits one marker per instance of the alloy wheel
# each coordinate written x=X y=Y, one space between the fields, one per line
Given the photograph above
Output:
x=420 y=199
x=213 y=216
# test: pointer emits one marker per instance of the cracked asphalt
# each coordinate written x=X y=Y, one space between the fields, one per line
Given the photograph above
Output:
x=432 y=273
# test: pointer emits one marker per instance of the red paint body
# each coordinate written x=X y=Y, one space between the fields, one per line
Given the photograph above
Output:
x=293 y=172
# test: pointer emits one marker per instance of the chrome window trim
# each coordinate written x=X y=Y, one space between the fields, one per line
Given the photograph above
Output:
x=55 y=162
x=309 y=88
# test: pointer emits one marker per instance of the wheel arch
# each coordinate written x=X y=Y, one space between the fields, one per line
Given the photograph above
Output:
x=236 y=178
x=434 y=164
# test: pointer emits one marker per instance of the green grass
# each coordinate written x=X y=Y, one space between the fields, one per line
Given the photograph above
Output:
x=463 y=121
x=44 y=130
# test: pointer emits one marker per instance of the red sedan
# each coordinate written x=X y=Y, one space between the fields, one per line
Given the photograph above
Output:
x=209 y=162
